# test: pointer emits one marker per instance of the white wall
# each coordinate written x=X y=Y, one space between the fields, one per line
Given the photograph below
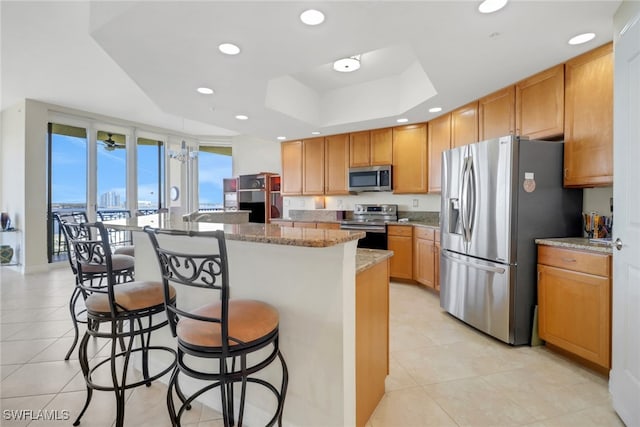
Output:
x=597 y=200
x=253 y=155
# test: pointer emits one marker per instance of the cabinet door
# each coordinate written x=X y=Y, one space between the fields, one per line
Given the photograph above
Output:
x=304 y=225
x=402 y=259
x=424 y=262
x=410 y=159
x=588 y=147
x=574 y=312
x=438 y=140
x=328 y=225
x=313 y=166
x=336 y=164
x=291 y=168
x=359 y=149
x=540 y=104
x=464 y=125
x=497 y=114
x=381 y=147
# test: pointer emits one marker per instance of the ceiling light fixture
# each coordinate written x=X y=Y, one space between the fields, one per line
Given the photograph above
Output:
x=282 y=138
x=205 y=90
x=581 y=38
x=242 y=117
x=315 y=132
x=490 y=6
x=229 y=49
x=312 y=17
x=435 y=109
x=402 y=120
x=347 y=65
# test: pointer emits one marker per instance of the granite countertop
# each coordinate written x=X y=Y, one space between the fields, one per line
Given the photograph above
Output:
x=366 y=258
x=248 y=232
x=582 y=243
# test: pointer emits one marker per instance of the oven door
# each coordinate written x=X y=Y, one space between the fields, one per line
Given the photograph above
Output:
x=375 y=238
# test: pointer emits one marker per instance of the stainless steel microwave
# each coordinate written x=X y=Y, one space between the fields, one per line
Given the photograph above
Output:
x=370 y=178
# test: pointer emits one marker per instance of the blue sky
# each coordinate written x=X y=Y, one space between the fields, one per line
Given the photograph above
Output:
x=69 y=172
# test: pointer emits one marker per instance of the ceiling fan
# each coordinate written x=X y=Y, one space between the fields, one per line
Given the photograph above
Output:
x=110 y=144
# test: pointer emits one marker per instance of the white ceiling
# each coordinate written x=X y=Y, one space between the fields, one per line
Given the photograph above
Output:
x=142 y=61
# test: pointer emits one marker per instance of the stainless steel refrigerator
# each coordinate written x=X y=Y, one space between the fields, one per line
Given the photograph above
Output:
x=498 y=196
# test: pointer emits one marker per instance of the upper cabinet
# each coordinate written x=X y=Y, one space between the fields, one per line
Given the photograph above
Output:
x=336 y=162
x=410 y=159
x=370 y=148
x=438 y=140
x=540 y=104
x=497 y=114
x=464 y=125
x=313 y=166
x=291 y=168
x=588 y=131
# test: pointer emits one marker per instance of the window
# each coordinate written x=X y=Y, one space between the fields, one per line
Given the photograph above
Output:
x=214 y=164
x=151 y=173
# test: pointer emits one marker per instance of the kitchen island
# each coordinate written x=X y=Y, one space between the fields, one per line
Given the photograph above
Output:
x=309 y=275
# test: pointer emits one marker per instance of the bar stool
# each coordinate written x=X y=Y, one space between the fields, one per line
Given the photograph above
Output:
x=121 y=241
x=134 y=304
x=240 y=336
x=123 y=269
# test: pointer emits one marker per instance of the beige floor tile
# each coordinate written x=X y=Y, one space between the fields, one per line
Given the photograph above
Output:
x=474 y=402
x=13 y=352
x=27 y=315
x=7 y=330
x=100 y=413
x=49 y=329
x=409 y=407
x=20 y=411
x=59 y=349
x=6 y=370
x=596 y=416
x=39 y=378
x=398 y=378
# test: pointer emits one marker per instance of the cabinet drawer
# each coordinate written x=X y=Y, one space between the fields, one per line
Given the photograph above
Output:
x=576 y=260
x=423 y=233
x=400 y=230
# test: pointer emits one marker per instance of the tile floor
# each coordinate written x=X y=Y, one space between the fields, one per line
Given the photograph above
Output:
x=443 y=373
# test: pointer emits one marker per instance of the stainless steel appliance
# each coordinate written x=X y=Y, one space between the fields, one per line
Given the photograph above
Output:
x=372 y=219
x=497 y=197
x=370 y=178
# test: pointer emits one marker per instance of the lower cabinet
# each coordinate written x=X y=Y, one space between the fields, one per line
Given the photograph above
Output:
x=328 y=225
x=574 y=302
x=372 y=338
x=400 y=241
x=424 y=256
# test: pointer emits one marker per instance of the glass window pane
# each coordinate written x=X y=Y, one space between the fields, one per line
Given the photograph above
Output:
x=150 y=174
x=112 y=171
x=212 y=168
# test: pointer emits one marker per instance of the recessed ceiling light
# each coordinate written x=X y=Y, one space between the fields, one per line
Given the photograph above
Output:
x=315 y=132
x=282 y=138
x=229 y=49
x=435 y=109
x=347 y=65
x=490 y=6
x=581 y=38
x=402 y=120
x=312 y=17
x=242 y=117
x=205 y=90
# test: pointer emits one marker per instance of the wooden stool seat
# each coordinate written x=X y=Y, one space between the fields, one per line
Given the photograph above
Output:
x=120 y=262
x=248 y=321
x=124 y=250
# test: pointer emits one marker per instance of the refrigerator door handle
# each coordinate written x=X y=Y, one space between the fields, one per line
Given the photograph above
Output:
x=473 y=264
x=472 y=199
x=465 y=200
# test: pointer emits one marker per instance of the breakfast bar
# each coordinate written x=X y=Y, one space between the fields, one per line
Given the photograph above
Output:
x=310 y=276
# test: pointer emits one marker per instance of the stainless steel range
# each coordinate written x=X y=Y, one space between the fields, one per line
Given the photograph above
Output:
x=373 y=220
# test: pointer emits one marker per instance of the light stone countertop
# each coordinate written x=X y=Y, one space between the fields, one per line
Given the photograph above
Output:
x=366 y=258
x=582 y=243
x=248 y=232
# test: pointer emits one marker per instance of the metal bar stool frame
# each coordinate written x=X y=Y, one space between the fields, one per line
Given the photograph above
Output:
x=96 y=250
x=123 y=274
x=210 y=271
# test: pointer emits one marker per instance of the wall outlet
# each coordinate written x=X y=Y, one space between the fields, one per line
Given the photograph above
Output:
x=415 y=203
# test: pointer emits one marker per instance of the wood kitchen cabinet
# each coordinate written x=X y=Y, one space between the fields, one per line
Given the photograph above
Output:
x=328 y=225
x=313 y=167
x=291 y=152
x=424 y=256
x=400 y=241
x=588 y=130
x=371 y=148
x=540 y=104
x=464 y=125
x=336 y=169
x=497 y=114
x=574 y=302
x=438 y=140
x=410 y=159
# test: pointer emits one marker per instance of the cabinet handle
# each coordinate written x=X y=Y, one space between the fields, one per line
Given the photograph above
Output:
x=569 y=259
x=566 y=172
